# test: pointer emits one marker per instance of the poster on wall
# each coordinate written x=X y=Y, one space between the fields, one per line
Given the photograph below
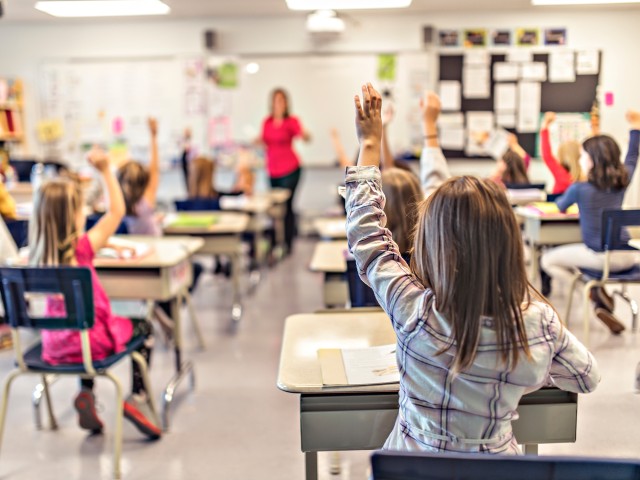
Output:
x=387 y=67
x=448 y=38
x=501 y=37
x=555 y=36
x=475 y=37
x=527 y=37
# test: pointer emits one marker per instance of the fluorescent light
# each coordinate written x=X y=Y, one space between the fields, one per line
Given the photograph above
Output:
x=324 y=21
x=581 y=2
x=345 y=4
x=102 y=8
x=252 y=68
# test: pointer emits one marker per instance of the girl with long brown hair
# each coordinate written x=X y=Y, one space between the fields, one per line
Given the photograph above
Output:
x=472 y=335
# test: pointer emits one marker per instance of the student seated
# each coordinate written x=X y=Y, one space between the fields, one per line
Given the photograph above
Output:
x=511 y=168
x=56 y=238
x=201 y=174
x=566 y=168
x=473 y=336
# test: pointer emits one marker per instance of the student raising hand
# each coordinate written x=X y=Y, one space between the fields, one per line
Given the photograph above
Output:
x=369 y=125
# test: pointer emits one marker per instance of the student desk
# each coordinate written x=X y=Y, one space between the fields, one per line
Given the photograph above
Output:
x=331 y=228
x=165 y=274
x=542 y=230
x=328 y=258
x=224 y=237
x=361 y=417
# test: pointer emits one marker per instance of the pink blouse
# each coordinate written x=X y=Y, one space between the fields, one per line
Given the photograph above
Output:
x=282 y=160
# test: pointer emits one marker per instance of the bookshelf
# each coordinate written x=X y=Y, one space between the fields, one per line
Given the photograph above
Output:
x=11 y=111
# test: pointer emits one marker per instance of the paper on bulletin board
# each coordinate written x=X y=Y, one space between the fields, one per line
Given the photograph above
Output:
x=529 y=101
x=450 y=95
x=477 y=123
x=506 y=119
x=506 y=72
x=587 y=62
x=477 y=57
x=561 y=67
x=505 y=97
x=519 y=55
x=452 y=137
x=534 y=71
x=475 y=82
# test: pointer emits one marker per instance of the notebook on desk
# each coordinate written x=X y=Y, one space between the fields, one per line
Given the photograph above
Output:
x=185 y=220
x=359 y=366
x=550 y=208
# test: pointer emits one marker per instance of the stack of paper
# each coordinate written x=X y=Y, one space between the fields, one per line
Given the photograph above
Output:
x=120 y=248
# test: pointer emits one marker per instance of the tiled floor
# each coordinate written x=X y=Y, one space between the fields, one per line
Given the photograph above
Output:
x=238 y=425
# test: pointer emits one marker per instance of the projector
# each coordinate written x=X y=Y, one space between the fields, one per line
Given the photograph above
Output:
x=324 y=21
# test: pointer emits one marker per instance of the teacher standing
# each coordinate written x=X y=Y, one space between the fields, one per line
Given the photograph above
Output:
x=279 y=130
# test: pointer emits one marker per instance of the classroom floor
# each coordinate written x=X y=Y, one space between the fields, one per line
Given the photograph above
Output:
x=238 y=425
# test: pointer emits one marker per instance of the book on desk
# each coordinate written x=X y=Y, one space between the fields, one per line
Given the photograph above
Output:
x=186 y=220
x=359 y=366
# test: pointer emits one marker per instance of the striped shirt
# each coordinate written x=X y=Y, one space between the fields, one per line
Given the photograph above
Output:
x=470 y=412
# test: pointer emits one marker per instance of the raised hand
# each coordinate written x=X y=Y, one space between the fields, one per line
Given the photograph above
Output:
x=369 y=125
x=548 y=119
x=98 y=159
x=387 y=115
x=153 y=126
x=633 y=117
x=430 y=107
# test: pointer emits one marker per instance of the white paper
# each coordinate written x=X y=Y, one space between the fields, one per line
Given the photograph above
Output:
x=367 y=366
x=561 y=67
x=534 y=71
x=451 y=119
x=505 y=72
x=475 y=82
x=528 y=107
x=497 y=144
x=477 y=123
x=452 y=137
x=520 y=55
x=505 y=96
x=476 y=57
x=587 y=62
x=450 y=96
x=506 y=119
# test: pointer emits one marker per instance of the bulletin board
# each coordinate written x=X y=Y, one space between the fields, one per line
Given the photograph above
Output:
x=577 y=96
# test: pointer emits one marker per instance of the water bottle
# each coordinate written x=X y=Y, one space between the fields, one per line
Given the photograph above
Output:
x=37 y=177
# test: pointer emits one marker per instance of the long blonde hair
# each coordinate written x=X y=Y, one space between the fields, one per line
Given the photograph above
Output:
x=569 y=159
x=201 y=173
x=53 y=229
x=468 y=250
x=403 y=193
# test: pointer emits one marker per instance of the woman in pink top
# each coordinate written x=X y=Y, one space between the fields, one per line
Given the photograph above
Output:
x=279 y=130
x=56 y=238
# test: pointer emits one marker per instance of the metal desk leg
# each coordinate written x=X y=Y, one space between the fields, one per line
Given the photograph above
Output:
x=255 y=275
x=236 y=309
x=311 y=465
x=530 y=449
x=182 y=369
x=535 y=262
x=194 y=319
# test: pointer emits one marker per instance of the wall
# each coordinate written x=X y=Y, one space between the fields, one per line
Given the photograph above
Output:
x=616 y=33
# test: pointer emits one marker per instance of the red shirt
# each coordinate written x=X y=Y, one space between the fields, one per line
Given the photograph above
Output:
x=562 y=177
x=278 y=138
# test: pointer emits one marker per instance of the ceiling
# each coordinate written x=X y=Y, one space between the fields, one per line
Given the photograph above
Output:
x=22 y=10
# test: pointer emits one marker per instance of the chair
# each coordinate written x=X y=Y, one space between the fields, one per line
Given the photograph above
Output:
x=197 y=204
x=450 y=466
x=93 y=219
x=614 y=237
x=525 y=186
x=21 y=288
x=360 y=294
x=19 y=230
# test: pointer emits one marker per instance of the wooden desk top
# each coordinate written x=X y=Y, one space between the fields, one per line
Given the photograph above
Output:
x=165 y=252
x=227 y=223
x=329 y=257
x=635 y=243
x=259 y=203
x=331 y=227
x=304 y=334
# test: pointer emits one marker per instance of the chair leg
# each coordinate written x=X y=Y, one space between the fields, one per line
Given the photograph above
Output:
x=586 y=317
x=42 y=389
x=633 y=305
x=194 y=320
x=36 y=399
x=53 y=424
x=5 y=399
x=117 y=431
x=144 y=370
x=574 y=282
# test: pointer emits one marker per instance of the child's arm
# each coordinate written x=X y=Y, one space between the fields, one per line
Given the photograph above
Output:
x=573 y=368
x=110 y=221
x=517 y=148
x=568 y=198
x=343 y=159
x=379 y=262
x=434 y=170
x=558 y=172
x=154 y=165
x=387 y=156
x=631 y=160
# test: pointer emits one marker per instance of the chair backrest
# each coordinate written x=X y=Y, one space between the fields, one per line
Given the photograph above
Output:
x=525 y=186
x=552 y=197
x=23 y=168
x=19 y=230
x=614 y=234
x=73 y=283
x=93 y=219
x=447 y=466
x=197 y=204
x=360 y=293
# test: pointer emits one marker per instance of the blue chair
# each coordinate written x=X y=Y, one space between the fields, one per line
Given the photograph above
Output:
x=361 y=294
x=451 y=466
x=197 y=204
x=93 y=219
x=23 y=290
x=19 y=230
x=614 y=237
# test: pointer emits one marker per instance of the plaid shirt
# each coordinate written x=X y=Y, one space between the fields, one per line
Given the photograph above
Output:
x=472 y=411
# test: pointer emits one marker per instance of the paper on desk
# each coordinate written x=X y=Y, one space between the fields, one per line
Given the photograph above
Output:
x=123 y=249
x=359 y=366
x=450 y=95
x=505 y=71
x=475 y=81
x=561 y=67
x=534 y=71
x=528 y=107
x=587 y=62
x=505 y=95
